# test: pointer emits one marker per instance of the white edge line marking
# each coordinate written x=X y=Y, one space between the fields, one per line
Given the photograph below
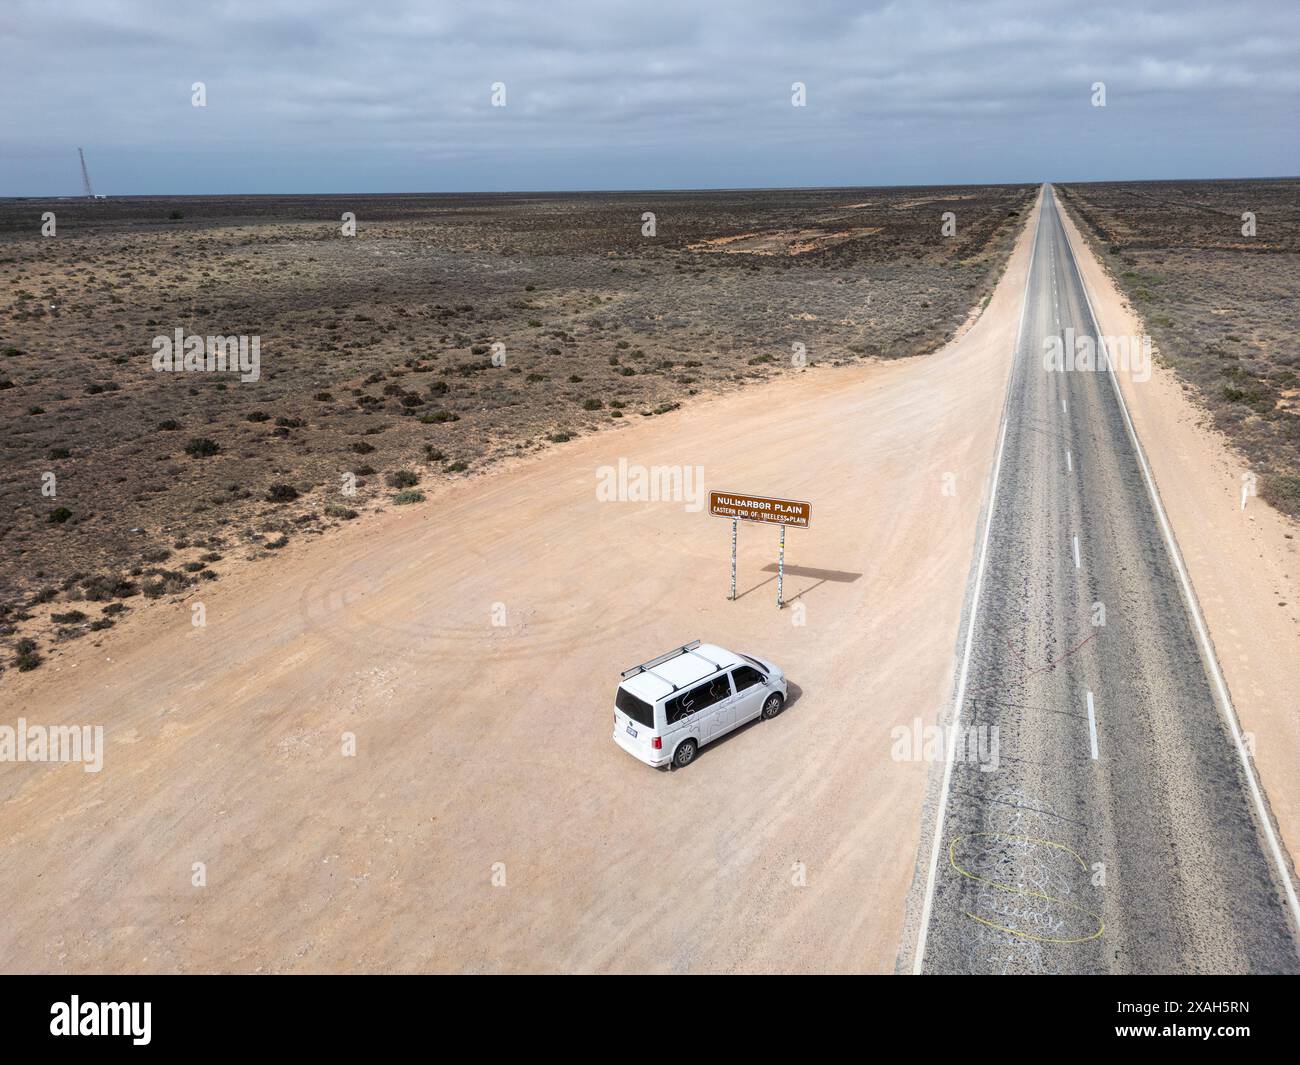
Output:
x=1092 y=728
x=918 y=960
x=1076 y=552
x=1207 y=648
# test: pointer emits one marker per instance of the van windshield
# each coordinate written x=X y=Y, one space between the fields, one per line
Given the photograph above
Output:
x=637 y=709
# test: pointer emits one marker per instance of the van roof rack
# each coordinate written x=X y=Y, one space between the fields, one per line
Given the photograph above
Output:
x=646 y=667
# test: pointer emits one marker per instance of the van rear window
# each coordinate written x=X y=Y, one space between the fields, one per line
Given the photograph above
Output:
x=637 y=709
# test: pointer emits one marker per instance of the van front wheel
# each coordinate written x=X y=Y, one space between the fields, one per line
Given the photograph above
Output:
x=685 y=754
x=773 y=706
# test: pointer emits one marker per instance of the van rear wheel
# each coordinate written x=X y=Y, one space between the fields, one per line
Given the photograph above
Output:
x=773 y=706
x=685 y=753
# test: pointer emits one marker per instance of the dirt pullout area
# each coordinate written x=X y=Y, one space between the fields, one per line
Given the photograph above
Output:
x=1220 y=304
x=1244 y=562
x=449 y=335
x=471 y=646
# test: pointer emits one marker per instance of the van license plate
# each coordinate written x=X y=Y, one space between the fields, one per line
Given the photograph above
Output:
x=631 y=731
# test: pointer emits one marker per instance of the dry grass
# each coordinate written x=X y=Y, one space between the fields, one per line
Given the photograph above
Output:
x=376 y=351
x=1222 y=308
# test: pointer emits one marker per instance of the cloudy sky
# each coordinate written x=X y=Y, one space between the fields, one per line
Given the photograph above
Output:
x=373 y=95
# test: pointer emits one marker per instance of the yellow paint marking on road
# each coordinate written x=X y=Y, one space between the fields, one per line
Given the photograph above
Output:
x=952 y=860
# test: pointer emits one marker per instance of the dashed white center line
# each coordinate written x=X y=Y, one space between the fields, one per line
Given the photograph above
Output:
x=1092 y=728
x=1069 y=465
x=1063 y=410
x=1076 y=552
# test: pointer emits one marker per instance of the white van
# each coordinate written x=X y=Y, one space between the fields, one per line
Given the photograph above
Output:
x=668 y=708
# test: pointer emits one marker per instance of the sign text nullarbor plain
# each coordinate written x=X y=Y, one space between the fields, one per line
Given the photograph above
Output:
x=790 y=512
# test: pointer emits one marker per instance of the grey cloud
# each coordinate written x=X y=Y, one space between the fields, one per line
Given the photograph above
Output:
x=357 y=97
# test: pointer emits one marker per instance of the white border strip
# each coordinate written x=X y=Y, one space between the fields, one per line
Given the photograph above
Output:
x=918 y=960
x=1207 y=648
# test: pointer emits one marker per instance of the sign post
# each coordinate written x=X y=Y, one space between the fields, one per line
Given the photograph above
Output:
x=780 y=573
x=735 y=522
x=787 y=513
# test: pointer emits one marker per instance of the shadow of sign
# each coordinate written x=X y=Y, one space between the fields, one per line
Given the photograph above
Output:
x=818 y=577
x=837 y=575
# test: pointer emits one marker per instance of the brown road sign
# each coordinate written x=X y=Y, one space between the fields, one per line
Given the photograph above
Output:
x=789 y=512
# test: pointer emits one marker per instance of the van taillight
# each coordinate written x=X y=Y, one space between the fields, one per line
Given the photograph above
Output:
x=657 y=743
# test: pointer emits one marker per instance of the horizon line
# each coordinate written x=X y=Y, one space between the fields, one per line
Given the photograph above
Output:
x=662 y=189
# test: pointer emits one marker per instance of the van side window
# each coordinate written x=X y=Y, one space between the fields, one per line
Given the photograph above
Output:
x=697 y=699
x=746 y=677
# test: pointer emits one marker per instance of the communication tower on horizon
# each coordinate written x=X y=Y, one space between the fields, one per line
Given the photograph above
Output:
x=85 y=176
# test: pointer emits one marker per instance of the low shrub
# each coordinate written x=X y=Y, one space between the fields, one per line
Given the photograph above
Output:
x=402 y=479
x=26 y=657
x=1281 y=490
x=201 y=447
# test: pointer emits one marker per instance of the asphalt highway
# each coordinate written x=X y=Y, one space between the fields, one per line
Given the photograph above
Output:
x=1096 y=815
